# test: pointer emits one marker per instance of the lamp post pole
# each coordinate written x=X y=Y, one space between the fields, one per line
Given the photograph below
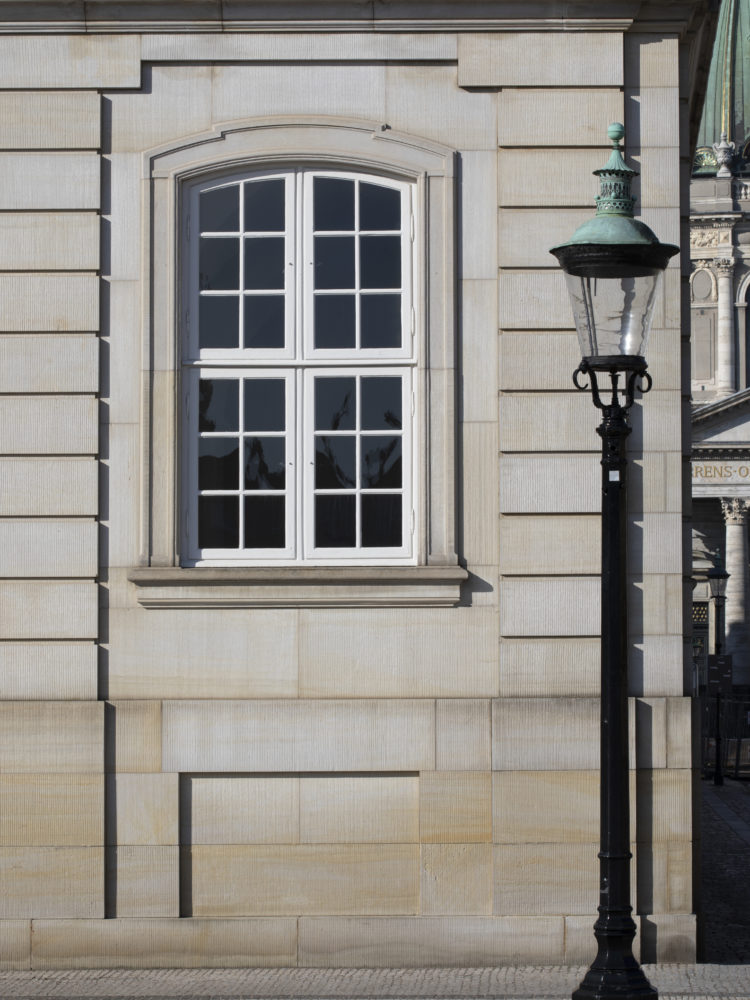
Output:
x=613 y=265
x=717 y=581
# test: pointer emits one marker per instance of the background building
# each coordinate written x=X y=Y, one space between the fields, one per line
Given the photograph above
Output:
x=300 y=535
x=719 y=251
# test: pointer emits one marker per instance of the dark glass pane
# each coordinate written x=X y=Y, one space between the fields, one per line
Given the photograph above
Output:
x=335 y=461
x=335 y=322
x=219 y=264
x=333 y=201
x=264 y=463
x=219 y=321
x=380 y=261
x=334 y=261
x=335 y=522
x=264 y=206
x=264 y=321
x=264 y=262
x=264 y=404
x=381 y=462
x=381 y=320
x=218 y=465
x=379 y=207
x=381 y=403
x=381 y=520
x=264 y=523
x=220 y=210
x=335 y=403
x=218 y=522
x=218 y=404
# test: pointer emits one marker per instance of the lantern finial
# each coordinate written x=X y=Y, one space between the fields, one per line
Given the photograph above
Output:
x=615 y=178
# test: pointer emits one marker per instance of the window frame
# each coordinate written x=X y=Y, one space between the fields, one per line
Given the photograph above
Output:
x=435 y=577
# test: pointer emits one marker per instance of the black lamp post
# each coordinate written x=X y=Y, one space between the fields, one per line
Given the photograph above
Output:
x=613 y=265
x=717 y=582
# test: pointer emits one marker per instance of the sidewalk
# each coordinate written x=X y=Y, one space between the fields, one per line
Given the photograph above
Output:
x=726 y=901
x=707 y=982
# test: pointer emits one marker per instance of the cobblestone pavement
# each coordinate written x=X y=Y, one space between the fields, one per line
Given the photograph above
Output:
x=725 y=881
x=725 y=976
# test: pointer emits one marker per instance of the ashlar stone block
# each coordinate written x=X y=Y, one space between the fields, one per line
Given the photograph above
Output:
x=286 y=880
x=538 y=361
x=39 y=487
x=545 y=734
x=323 y=735
x=549 y=667
x=44 y=609
x=571 y=117
x=363 y=809
x=546 y=879
x=538 y=59
x=241 y=809
x=164 y=943
x=456 y=879
x=15 y=945
x=51 y=882
x=48 y=548
x=455 y=807
x=70 y=61
x=54 y=737
x=550 y=607
x=550 y=484
x=30 y=363
x=533 y=546
x=415 y=942
x=52 y=120
x=60 y=810
x=145 y=809
x=38 y=302
x=49 y=241
x=463 y=734
x=49 y=180
x=524 y=182
x=48 y=671
x=146 y=881
x=134 y=736
x=48 y=425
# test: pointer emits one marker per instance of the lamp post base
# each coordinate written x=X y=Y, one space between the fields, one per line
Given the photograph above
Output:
x=615 y=974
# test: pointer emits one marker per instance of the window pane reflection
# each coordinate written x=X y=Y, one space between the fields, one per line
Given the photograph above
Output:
x=335 y=462
x=381 y=520
x=218 y=406
x=264 y=206
x=333 y=203
x=264 y=262
x=264 y=404
x=381 y=403
x=220 y=210
x=264 y=523
x=381 y=321
x=379 y=207
x=335 y=322
x=381 y=462
x=218 y=321
x=218 y=522
x=218 y=467
x=380 y=261
x=335 y=404
x=264 y=463
x=264 y=321
x=334 y=262
x=335 y=522
x=219 y=264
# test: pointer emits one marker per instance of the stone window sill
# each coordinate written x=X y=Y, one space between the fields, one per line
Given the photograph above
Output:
x=298 y=586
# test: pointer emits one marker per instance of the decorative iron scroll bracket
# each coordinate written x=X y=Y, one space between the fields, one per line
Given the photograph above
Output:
x=622 y=397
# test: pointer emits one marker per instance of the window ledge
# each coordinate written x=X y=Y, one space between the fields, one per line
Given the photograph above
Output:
x=298 y=586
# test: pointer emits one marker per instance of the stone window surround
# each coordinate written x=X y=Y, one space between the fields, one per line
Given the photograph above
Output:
x=436 y=581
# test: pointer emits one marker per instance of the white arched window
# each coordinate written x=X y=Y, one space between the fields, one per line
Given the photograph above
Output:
x=298 y=369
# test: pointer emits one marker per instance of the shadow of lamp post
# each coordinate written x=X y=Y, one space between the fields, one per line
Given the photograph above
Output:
x=717 y=581
x=613 y=266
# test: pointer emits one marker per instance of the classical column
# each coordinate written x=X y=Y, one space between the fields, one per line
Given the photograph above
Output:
x=736 y=563
x=725 y=360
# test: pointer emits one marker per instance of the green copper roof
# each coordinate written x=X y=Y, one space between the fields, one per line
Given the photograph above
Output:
x=727 y=105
